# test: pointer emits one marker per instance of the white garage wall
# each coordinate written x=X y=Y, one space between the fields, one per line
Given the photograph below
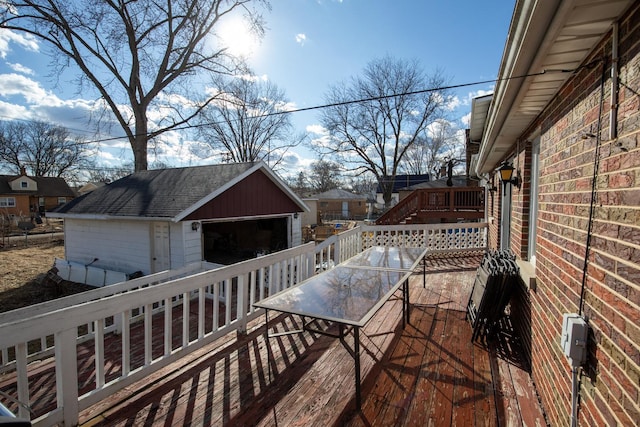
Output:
x=186 y=244
x=118 y=245
x=296 y=231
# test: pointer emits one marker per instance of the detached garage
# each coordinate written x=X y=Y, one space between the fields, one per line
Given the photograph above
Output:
x=164 y=219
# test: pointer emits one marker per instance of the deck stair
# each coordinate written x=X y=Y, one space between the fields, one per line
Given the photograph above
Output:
x=428 y=205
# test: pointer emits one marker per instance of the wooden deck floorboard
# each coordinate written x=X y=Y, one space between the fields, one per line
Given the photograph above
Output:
x=429 y=373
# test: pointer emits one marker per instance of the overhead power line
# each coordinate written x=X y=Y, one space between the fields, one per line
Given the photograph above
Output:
x=356 y=101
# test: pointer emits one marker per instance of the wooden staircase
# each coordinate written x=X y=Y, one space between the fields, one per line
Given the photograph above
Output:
x=432 y=205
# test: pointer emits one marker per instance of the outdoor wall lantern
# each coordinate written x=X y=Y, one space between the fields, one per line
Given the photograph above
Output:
x=195 y=225
x=507 y=177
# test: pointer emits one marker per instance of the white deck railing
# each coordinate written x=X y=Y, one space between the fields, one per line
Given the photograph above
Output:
x=56 y=330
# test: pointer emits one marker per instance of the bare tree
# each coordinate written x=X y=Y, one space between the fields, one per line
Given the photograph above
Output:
x=432 y=149
x=418 y=157
x=248 y=122
x=373 y=135
x=363 y=185
x=42 y=149
x=110 y=174
x=137 y=54
x=298 y=183
x=325 y=176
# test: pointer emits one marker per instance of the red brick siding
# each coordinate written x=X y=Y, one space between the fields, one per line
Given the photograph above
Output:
x=610 y=386
x=21 y=208
x=493 y=212
x=520 y=202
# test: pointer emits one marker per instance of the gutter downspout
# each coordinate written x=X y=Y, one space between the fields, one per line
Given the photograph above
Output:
x=613 y=115
x=575 y=395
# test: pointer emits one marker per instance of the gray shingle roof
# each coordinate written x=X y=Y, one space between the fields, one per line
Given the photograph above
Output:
x=156 y=193
x=339 y=194
x=403 y=181
x=458 y=181
x=47 y=186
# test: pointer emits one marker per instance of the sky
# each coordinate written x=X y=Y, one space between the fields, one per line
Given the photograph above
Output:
x=309 y=45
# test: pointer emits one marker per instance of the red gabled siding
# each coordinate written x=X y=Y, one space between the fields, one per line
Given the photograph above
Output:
x=256 y=195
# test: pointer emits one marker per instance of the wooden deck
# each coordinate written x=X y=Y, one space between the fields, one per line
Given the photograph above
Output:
x=429 y=373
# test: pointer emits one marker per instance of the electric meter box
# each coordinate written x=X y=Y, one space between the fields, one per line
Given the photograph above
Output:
x=574 y=338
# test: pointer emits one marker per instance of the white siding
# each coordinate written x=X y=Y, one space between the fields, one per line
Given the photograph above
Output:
x=311 y=217
x=186 y=246
x=176 y=239
x=119 y=245
x=192 y=243
x=296 y=231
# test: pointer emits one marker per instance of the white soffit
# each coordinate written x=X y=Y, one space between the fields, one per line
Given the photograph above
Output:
x=545 y=35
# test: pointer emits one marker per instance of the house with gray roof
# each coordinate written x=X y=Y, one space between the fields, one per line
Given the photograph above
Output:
x=23 y=196
x=156 y=220
x=339 y=204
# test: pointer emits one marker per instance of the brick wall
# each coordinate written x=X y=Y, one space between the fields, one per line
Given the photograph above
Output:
x=520 y=200
x=610 y=383
x=494 y=198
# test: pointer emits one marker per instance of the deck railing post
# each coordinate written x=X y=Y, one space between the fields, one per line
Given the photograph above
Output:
x=67 y=375
x=242 y=304
x=22 y=378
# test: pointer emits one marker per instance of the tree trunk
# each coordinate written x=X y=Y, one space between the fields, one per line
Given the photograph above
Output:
x=387 y=190
x=140 y=140
x=140 y=153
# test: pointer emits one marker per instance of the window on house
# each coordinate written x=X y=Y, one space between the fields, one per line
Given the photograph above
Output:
x=24 y=184
x=7 y=202
x=62 y=200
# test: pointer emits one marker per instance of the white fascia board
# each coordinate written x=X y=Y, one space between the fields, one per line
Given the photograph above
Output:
x=523 y=46
x=244 y=218
x=107 y=217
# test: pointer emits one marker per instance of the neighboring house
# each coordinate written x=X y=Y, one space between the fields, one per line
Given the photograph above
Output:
x=573 y=122
x=401 y=181
x=339 y=204
x=456 y=181
x=163 y=219
x=25 y=196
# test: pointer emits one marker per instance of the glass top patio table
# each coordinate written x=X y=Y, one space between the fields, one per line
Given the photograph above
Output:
x=352 y=292
x=388 y=258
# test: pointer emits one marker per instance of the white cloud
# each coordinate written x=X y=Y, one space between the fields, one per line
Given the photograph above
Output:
x=25 y=99
x=317 y=129
x=466 y=119
x=252 y=77
x=452 y=103
x=13 y=111
x=26 y=41
x=19 y=68
x=19 y=85
x=301 y=38
x=286 y=106
x=475 y=94
x=172 y=149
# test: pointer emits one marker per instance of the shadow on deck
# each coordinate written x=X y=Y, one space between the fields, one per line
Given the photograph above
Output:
x=429 y=373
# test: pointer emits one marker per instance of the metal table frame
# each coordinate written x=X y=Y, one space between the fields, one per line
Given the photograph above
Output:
x=345 y=326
